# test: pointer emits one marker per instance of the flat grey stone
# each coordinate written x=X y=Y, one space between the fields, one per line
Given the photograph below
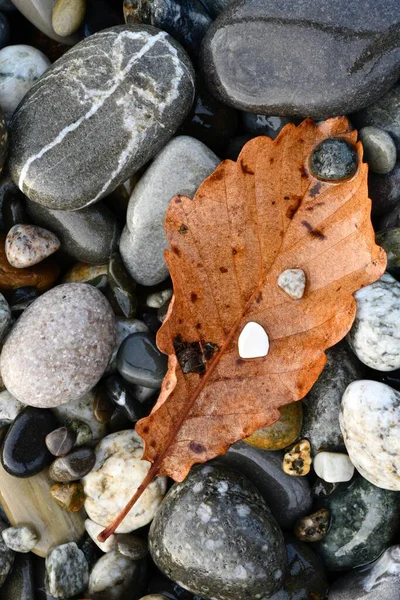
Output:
x=294 y=59
x=67 y=571
x=379 y=149
x=89 y=235
x=383 y=113
x=321 y=406
x=109 y=105
x=374 y=336
x=380 y=580
x=216 y=537
x=180 y=168
x=60 y=347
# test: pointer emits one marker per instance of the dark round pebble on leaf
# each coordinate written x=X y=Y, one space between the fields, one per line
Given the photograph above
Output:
x=333 y=159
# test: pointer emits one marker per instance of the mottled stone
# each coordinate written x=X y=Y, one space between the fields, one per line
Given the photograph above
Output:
x=5 y=317
x=83 y=432
x=75 y=465
x=321 y=406
x=313 y=527
x=20 y=539
x=68 y=495
x=333 y=467
x=262 y=124
x=122 y=287
x=296 y=60
x=288 y=498
x=380 y=580
x=10 y=407
x=333 y=159
x=141 y=84
x=370 y=422
x=305 y=578
x=89 y=235
x=193 y=537
x=282 y=433
x=93 y=529
x=374 y=334
x=139 y=360
x=85 y=273
x=293 y=283
x=180 y=168
x=19 y=584
x=24 y=451
x=384 y=191
x=297 y=460
x=82 y=410
x=379 y=149
x=29 y=501
x=114 y=577
x=364 y=519
x=67 y=571
x=60 y=347
x=41 y=276
x=390 y=242
x=6 y=556
x=123 y=398
x=187 y=21
x=131 y=546
x=38 y=12
x=67 y=16
x=20 y=67
x=27 y=245
x=119 y=470
x=383 y=113
x=60 y=441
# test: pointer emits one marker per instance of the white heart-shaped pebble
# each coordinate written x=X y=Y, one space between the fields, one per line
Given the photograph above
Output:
x=293 y=282
x=253 y=341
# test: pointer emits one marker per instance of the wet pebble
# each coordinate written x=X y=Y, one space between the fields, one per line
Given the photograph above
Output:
x=123 y=399
x=27 y=245
x=379 y=149
x=123 y=328
x=68 y=495
x=67 y=16
x=281 y=434
x=313 y=527
x=60 y=441
x=389 y=240
x=139 y=361
x=333 y=159
x=67 y=571
x=116 y=577
x=122 y=287
x=20 y=539
x=131 y=546
x=24 y=451
x=75 y=465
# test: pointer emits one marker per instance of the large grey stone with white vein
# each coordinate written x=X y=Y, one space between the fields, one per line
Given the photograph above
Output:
x=98 y=114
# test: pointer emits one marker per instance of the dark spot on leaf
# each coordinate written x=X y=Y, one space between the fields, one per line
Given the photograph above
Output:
x=307 y=225
x=189 y=355
x=209 y=349
x=317 y=233
x=217 y=175
x=234 y=251
x=193 y=297
x=197 y=448
x=198 y=325
x=315 y=190
x=223 y=269
x=271 y=161
x=294 y=207
x=151 y=444
x=239 y=362
x=199 y=265
x=273 y=202
x=259 y=298
x=176 y=250
x=168 y=385
x=180 y=321
x=303 y=171
x=286 y=197
x=145 y=429
x=301 y=141
x=245 y=168
x=183 y=229
x=178 y=199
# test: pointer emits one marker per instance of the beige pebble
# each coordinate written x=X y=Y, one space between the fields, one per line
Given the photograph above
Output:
x=297 y=461
x=68 y=16
x=28 y=245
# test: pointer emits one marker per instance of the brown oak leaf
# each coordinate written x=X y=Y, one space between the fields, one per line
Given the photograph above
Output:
x=250 y=221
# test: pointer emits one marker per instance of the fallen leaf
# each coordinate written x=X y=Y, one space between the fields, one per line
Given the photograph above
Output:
x=250 y=221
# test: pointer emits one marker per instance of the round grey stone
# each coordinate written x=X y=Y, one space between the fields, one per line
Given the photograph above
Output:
x=74 y=466
x=379 y=149
x=180 y=168
x=60 y=346
x=334 y=159
x=60 y=441
x=109 y=104
x=89 y=235
x=194 y=537
x=384 y=113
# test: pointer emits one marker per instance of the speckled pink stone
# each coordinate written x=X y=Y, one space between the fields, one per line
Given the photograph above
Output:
x=60 y=346
x=27 y=245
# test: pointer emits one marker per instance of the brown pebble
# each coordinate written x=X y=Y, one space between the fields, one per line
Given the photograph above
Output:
x=68 y=495
x=297 y=461
x=60 y=441
x=313 y=527
x=103 y=408
x=282 y=433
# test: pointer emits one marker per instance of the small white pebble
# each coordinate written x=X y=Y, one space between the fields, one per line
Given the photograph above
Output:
x=293 y=282
x=20 y=539
x=333 y=467
x=93 y=529
x=253 y=341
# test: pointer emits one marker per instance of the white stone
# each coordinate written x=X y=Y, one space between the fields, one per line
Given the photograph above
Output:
x=10 y=407
x=375 y=335
x=20 y=67
x=158 y=299
x=116 y=475
x=333 y=467
x=93 y=529
x=179 y=168
x=112 y=576
x=20 y=539
x=253 y=341
x=370 y=423
x=293 y=282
